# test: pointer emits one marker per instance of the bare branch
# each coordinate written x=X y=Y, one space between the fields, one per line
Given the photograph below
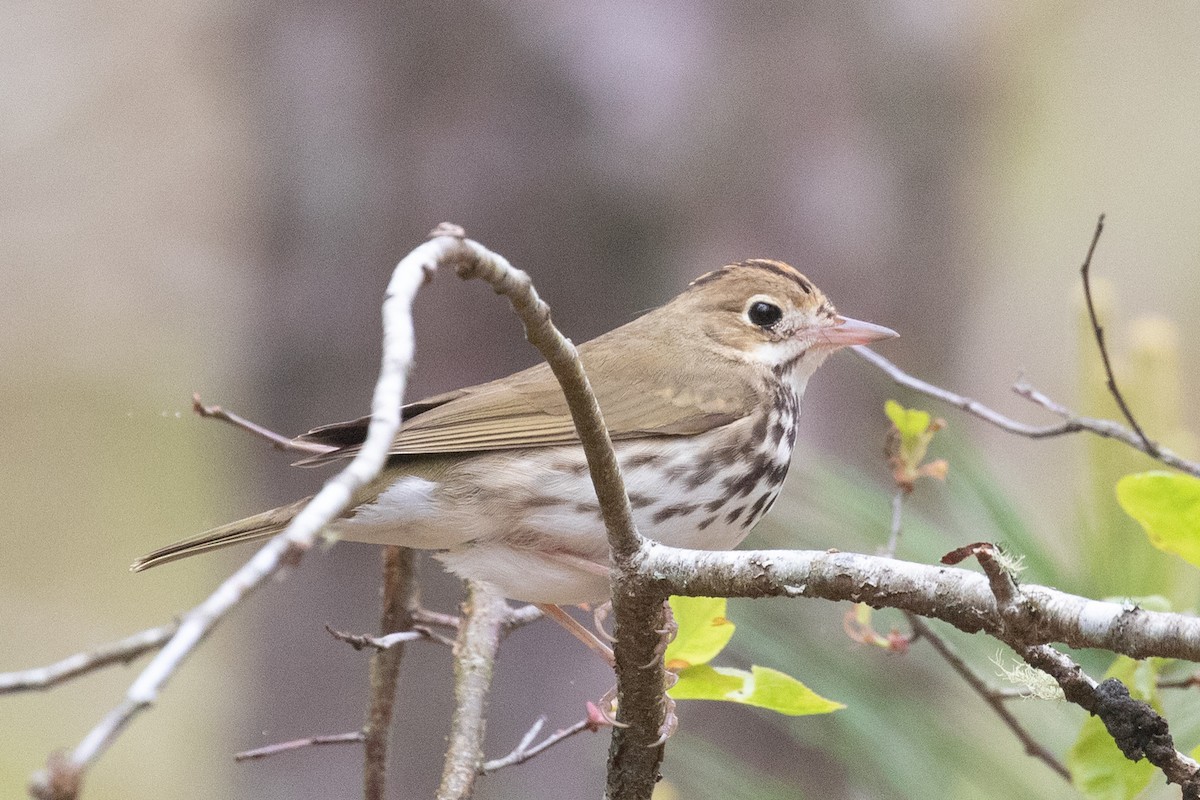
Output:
x=286 y=548
x=353 y=737
x=957 y=596
x=399 y=592
x=1139 y=731
x=277 y=440
x=991 y=695
x=478 y=641
x=362 y=640
x=1098 y=331
x=121 y=652
x=527 y=750
x=1072 y=423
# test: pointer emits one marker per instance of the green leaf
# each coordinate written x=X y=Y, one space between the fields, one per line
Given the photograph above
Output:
x=703 y=682
x=1098 y=768
x=911 y=422
x=703 y=631
x=1167 y=505
x=761 y=686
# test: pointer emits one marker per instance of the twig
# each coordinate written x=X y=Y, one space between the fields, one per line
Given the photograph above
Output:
x=897 y=520
x=277 y=440
x=1072 y=423
x=435 y=619
x=360 y=641
x=475 y=651
x=526 y=749
x=1186 y=682
x=1085 y=273
x=399 y=592
x=121 y=652
x=1139 y=731
x=286 y=548
x=353 y=737
x=991 y=695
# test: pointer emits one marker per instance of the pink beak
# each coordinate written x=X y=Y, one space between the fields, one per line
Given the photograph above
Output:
x=847 y=331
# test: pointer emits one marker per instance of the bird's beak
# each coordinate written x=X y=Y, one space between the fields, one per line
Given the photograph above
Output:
x=847 y=331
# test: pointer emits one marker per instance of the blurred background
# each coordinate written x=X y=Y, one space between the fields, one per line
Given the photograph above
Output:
x=210 y=196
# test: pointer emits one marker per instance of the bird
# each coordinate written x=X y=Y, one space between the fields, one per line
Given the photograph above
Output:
x=701 y=398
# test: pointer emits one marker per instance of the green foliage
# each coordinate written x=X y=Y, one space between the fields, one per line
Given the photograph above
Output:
x=703 y=633
x=1098 y=768
x=1167 y=505
x=912 y=432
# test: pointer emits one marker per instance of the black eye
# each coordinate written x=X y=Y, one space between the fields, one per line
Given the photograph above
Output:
x=764 y=314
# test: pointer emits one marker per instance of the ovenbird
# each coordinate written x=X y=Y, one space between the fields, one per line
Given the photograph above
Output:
x=701 y=398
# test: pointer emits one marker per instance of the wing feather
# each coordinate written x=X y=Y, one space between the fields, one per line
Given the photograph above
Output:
x=528 y=409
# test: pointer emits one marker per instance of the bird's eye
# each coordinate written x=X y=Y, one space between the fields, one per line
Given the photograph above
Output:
x=764 y=314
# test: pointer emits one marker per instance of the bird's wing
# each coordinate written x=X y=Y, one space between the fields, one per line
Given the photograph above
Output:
x=528 y=410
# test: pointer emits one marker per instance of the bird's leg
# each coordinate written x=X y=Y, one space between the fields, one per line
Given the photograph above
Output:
x=577 y=630
x=666 y=634
x=599 y=615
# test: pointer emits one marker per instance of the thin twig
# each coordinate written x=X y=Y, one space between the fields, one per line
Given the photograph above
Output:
x=1073 y=423
x=277 y=440
x=436 y=619
x=1098 y=331
x=992 y=696
x=893 y=541
x=286 y=548
x=360 y=641
x=353 y=737
x=121 y=652
x=527 y=750
x=399 y=592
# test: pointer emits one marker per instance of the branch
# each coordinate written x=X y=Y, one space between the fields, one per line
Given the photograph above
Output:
x=399 y=592
x=1139 y=731
x=475 y=656
x=1073 y=423
x=1111 y=382
x=957 y=596
x=526 y=749
x=637 y=610
x=62 y=777
x=993 y=697
x=277 y=440
x=121 y=652
x=353 y=737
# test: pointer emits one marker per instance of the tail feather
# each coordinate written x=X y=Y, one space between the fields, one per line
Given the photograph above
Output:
x=259 y=526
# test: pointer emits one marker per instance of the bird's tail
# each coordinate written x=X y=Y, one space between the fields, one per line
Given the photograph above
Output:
x=250 y=529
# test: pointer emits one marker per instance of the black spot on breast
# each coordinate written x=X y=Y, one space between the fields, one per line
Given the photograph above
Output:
x=733 y=515
x=706 y=522
x=759 y=431
x=639 y=500
x=641 y=460
x=705 y=473
x=540 y=501
x=676 y=472
x=759 y=507
x=676 y=510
